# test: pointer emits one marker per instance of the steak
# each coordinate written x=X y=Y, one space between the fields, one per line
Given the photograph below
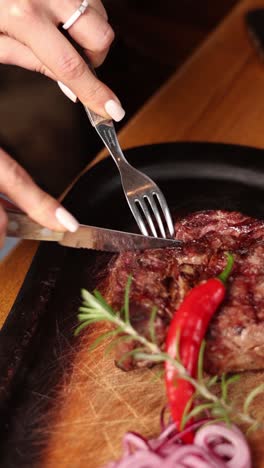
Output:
x=162 y=277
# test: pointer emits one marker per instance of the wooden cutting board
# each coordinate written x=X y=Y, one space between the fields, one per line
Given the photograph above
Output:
x=98 y=403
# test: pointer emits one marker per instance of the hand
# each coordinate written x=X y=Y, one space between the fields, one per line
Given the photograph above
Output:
x=29 y=38
x=16 y=183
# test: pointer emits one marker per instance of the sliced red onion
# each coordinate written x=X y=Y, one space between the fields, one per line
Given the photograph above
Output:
x=139 y=459
x=224 y=450
x=192 y=456
x=167 y=432
x=233 y=446
x=215 y=446
x=133 y=441
x=181 y=457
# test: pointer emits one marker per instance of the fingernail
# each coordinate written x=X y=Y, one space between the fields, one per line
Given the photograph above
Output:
x=115 y=110
x=66 y=219
x=67 y=92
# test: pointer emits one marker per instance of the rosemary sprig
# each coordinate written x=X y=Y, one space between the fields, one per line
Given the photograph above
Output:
x=96 y=309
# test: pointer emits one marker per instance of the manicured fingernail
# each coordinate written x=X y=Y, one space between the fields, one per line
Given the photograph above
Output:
x=115 y=110
x=67 y=92
x=66 y=219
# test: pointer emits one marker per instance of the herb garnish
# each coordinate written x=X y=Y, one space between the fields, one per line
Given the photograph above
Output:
x=95 y=309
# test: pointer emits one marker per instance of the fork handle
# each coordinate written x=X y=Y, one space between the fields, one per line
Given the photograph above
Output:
x=104 y=127
x=107 y=133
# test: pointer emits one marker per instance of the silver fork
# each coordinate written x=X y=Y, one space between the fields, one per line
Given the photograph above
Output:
x=144 y=197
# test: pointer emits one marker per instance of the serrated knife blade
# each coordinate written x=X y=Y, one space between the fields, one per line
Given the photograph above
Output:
x=89 y=237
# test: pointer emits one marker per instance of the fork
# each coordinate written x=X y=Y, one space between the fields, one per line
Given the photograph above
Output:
x=144 y=197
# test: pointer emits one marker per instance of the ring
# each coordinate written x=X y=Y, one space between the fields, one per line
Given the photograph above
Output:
x=76 y=14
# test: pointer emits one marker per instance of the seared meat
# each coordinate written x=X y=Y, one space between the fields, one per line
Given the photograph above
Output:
x=235 y=340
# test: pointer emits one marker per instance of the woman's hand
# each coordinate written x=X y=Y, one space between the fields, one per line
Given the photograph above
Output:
x=16 y=183
x=29 y=37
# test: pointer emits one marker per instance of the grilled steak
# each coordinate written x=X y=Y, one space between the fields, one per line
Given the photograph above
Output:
x=235 y=340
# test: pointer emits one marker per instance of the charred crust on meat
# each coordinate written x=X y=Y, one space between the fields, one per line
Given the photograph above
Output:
x=162 y=278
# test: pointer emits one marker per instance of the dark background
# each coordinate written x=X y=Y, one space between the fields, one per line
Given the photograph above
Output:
x=49 y=135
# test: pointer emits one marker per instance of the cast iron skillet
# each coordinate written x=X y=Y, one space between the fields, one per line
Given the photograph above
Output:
x=193 y=176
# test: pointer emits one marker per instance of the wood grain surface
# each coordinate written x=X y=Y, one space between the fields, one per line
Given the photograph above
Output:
x=217 y=96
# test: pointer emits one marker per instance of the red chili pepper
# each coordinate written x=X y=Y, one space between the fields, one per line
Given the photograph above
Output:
x=186 y=333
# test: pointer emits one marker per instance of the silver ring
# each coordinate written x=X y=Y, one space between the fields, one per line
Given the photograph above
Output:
x=76 y=14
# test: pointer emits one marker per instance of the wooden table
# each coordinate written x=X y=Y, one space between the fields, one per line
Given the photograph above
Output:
x=218 y=95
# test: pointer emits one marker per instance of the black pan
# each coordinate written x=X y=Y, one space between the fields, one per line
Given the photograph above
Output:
x=193 y=176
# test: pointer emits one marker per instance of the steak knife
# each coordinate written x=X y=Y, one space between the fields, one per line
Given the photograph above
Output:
x=89 y=237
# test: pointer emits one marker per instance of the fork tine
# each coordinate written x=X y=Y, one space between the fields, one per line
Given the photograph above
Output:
x=166 y=211
x=138 y=217
x=144 y=207
x=157 y=215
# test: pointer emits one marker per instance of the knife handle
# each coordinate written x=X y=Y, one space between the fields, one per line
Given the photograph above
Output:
x=20 y=225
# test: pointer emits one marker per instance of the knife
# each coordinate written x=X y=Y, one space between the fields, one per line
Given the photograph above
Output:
x=89 y=237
